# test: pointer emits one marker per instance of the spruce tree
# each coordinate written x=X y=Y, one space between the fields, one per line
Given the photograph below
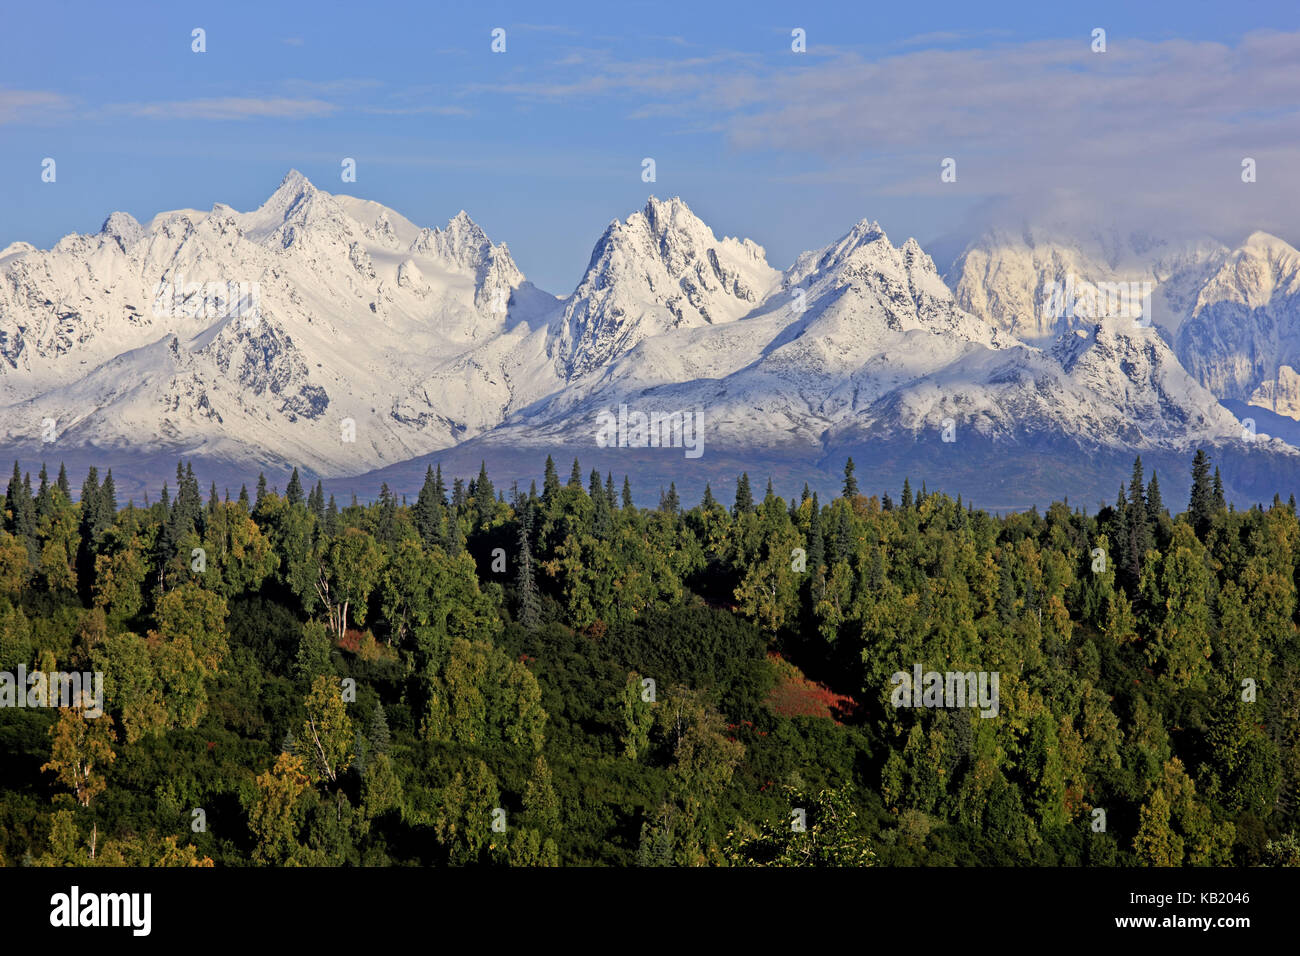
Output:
x=43 y=496
x=293 y=494
x=62 y=483
x=850 y=482
x=744 y=497
x=1155 y=504
x=1216 y=495
x=602 y=518
x=377 y=734
x=816 y=546
x=1200 y=508
x=610 y=496
x=261 y=489
x=843 y=534
x=1137 y=528
x=90 y=518
x=550 y=481
x=108 y=499
x=907 y=495
x=427 y=513
x=484 y=497
x=22 y=511
x=525 y=586
x=628 y=504
x=575 y=475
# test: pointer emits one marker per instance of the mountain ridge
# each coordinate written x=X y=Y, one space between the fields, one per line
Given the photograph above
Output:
x=332 y=333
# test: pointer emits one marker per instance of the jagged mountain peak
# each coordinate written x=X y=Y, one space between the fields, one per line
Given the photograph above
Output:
x=464 y=237
x=1265 y=243
x=661 y=269
x=427 y=338
x=293 y=184
x=121 y=224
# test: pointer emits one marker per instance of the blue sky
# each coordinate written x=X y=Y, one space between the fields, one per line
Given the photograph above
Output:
x=543 y=144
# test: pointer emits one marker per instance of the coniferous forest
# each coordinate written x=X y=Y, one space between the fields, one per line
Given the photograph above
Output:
x=555 y=676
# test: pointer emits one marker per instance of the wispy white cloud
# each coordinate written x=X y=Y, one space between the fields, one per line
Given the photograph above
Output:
x=417 y=110
x=1147 y=129
x=20 y=106
x=230 y=108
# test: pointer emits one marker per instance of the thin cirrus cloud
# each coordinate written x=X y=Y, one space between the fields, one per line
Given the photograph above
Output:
x=32 y=106
x=1159 y=128
x=230 y=108
x=1148 y=128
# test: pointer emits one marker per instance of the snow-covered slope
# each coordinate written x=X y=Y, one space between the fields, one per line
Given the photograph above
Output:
x=1242 y=337
x=331 y=333
x=1009 y=278
x=1233 y=315
x=864 y=337
x=660 y=270
x=303 y=331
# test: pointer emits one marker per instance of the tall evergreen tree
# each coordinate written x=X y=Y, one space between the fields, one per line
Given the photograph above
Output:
x=293 y=493
x=21 y=510
x=62 y=482
x=484 y=497
x=850 y=482
x=708 y=503
x=525 y=586
x=1200 y=509
x=816 y=545
x=907 y=495
x=44 y=496
x=108 y=498
x=1216 y=495
x=843 y=534
x=744 y=497
x=628 y=504
x=261 y=489
x=575 y=475
x=316 y=501
x=428 y=511
x=92 y=522
x=377 y=735
x=1155 y=504
x=1136 y=525
x=550 y=481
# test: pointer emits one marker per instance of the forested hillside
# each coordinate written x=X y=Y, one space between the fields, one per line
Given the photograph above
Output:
x=556 y=676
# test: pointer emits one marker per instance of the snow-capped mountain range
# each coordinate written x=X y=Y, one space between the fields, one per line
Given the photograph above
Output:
x=331 y=333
